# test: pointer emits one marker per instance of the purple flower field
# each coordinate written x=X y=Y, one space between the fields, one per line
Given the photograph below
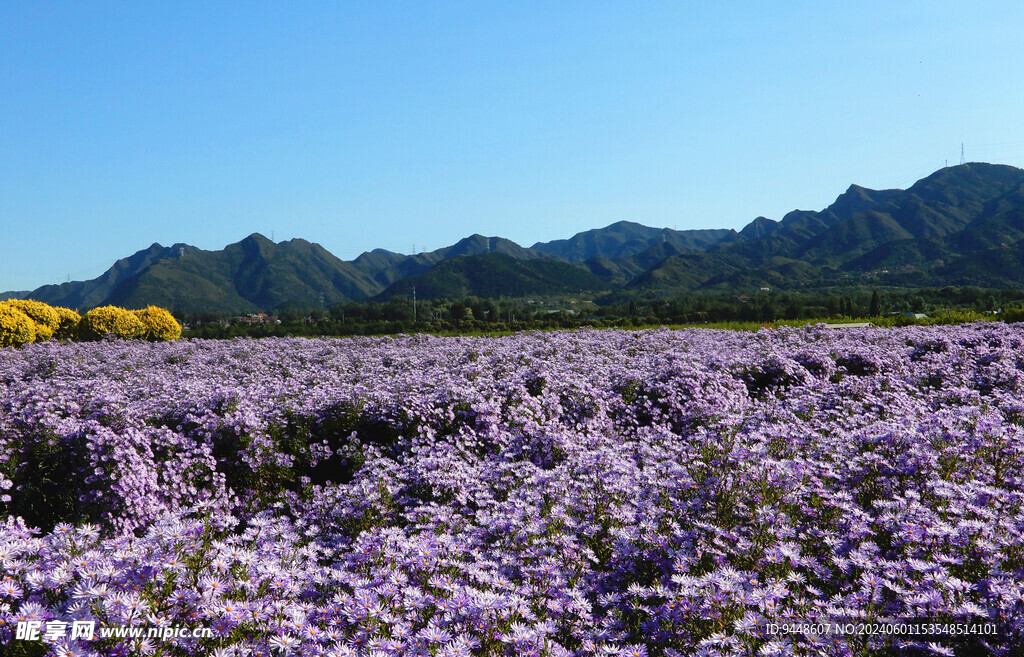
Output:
x=574 y=493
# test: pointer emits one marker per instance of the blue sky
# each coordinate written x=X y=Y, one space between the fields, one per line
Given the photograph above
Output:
x=408 y=125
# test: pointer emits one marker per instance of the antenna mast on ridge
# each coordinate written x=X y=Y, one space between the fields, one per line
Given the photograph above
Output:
x=961 y=152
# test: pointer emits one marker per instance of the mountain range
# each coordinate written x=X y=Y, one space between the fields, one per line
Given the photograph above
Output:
x=962 y=225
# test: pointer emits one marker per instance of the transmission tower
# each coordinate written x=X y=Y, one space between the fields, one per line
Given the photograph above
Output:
x=962 y=153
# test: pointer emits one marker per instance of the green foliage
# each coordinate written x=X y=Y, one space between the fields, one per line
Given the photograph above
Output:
x=1013 y=314
x=875 y=309
x=160 y=325
x=111 y=320
x=16 y=328
x=26 y=649
x=45 y=474
x=476 y=316
x=957 y=316
x=492 y=275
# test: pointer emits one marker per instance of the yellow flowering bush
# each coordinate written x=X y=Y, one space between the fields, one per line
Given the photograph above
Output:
x=23 y=321
x=122 y=323
x=16 y=328
x=44 y=315
x=160 y=324
x=68 y=323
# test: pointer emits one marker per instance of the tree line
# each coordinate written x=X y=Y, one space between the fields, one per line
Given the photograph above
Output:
x=473 y=314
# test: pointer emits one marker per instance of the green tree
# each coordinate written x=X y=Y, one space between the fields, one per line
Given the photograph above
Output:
x=491 y=311
x=398 y=308
x=457 y=310
x=876 y=304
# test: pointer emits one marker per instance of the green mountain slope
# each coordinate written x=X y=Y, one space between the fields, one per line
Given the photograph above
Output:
x=386 y=267
x=962 y=225
x=252 y=274
x=687 y=272
x=96 y=291
x=495 y=275
x=478 y=244
x=626 y=238
x=948 y=214
x=619 y=272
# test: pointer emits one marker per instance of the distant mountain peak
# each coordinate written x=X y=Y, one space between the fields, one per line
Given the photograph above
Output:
x=627 y=238
x=858 y=199
x=943 y=227
x=758 y=228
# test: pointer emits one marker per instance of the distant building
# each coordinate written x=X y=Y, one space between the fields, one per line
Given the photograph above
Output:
x=259 y=318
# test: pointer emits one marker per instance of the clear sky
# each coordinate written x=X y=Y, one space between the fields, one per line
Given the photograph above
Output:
x=408 y=125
